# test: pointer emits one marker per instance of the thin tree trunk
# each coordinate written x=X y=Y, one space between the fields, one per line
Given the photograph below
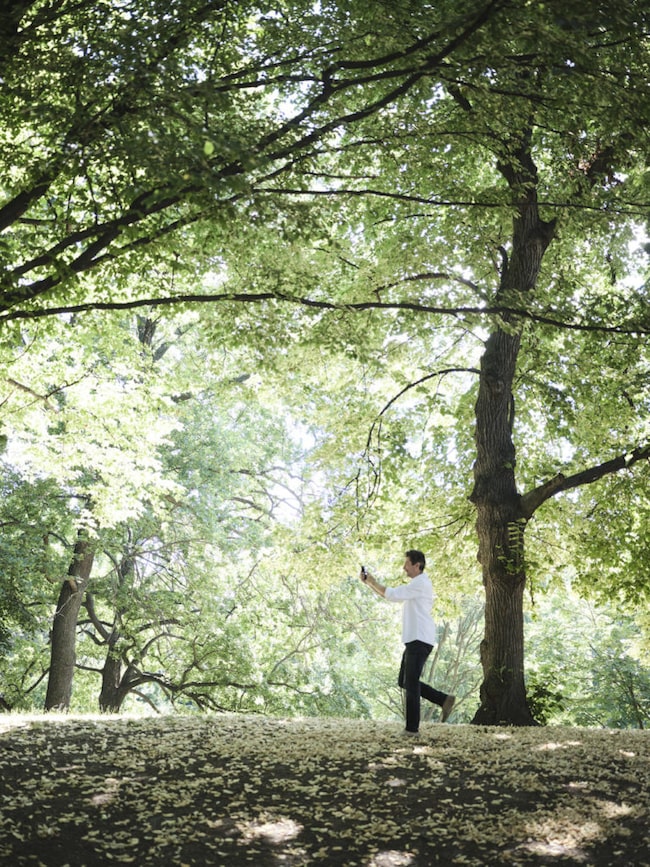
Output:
x=64 y=627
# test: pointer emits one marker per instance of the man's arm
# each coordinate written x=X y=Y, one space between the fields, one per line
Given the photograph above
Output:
x=372 y=582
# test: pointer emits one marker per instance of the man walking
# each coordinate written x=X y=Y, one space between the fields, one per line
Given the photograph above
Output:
x=418 y=635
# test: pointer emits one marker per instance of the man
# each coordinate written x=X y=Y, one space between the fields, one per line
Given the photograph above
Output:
x=418 y=635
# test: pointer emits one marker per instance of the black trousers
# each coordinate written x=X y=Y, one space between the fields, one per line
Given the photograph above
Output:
x=413 y=659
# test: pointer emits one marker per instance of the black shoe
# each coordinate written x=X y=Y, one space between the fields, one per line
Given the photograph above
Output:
x=447 y=707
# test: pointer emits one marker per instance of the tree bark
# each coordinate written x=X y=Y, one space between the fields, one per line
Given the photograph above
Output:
x=501 y=520
x=115 y=686
x=109 y=696
x=500 y=527
x=64 y=627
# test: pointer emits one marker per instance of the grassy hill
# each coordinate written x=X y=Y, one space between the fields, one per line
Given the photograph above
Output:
x=232 y=790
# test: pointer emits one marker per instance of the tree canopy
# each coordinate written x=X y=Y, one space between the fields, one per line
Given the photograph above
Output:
x=402 y=253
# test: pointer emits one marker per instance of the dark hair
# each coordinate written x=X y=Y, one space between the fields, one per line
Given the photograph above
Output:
x=417 y=558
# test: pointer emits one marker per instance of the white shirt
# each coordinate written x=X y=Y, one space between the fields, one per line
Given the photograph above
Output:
x=417 y=596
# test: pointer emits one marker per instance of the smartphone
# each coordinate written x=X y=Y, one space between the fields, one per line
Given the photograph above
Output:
x=364 y=572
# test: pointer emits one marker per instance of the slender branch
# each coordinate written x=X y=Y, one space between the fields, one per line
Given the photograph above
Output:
x=429 y=63
x=415 y=384
x=429 y=275
x=376 y=426
x=356 y=307
x=89 y=605
x=631 y=208
x=44 y=398
x=38 y=680
x=531 y=501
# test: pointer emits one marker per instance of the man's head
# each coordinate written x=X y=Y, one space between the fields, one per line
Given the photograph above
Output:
x=415 y=563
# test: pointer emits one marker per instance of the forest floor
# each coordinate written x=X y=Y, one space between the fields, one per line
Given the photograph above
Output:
x=232 y=790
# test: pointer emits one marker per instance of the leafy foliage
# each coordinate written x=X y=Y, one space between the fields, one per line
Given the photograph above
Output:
x=588 y=664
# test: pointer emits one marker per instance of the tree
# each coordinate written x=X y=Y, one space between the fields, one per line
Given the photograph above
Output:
x=531 y=107
x=586 y=665
x=502 y=512
x=64 y=627
x=33 y=519
x=153 y=616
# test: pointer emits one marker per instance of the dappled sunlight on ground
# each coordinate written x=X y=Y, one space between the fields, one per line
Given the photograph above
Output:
x=392 y=858
x=232 y=790
x=277 y=831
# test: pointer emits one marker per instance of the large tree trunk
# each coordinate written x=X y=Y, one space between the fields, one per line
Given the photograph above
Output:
x=109 y=697
x=500 y=532
x=500 y=517
x=64 y=627
x=115 y=685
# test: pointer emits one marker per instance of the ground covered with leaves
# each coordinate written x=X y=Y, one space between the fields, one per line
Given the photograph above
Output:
x=234 y=790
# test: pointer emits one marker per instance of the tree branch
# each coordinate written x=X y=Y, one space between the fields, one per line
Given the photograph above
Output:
x=531 y=501
x=279 y=145
x=395 y=397
x=89 y=605
x=633 y=328
x=412 y=77
x=632 y=208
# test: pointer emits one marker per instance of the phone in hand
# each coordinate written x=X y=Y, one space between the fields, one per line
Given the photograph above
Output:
x=364 y=572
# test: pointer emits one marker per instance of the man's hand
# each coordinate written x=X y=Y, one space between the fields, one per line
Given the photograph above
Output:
x=371 y=581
